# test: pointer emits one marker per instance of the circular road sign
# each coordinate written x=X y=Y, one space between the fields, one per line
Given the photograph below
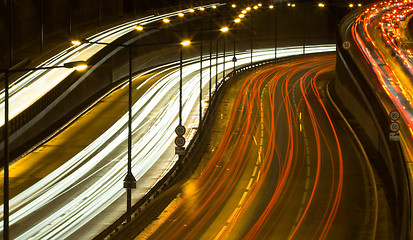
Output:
x=179 y=141
x=180 y=130
x=346 y=45
x=394 y=127
x=394 y=115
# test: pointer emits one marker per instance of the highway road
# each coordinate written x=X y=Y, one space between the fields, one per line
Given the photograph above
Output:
x=71 y=186
x=283 y=165
x=379 y=33
x=27 y=89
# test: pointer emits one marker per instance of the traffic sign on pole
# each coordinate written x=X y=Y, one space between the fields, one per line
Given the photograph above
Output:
x=346 y=45
x=394 y=115
x=394 y=126
x=394 y=137
x=180 y=130
x=180 y=141
x=180 y=151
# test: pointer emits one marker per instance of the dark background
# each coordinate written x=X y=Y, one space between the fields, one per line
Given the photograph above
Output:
x=59 y=28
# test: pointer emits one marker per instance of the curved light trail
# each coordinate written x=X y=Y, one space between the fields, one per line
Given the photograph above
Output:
x=32 y=86
x=378 y=36
x=278 y=171
x=91 y=181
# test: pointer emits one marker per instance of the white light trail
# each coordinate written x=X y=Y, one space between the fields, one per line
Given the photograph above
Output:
x=104 y=161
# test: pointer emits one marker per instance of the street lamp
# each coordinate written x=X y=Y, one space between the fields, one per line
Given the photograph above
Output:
x=183 y=44
x=224 y=30
x=77 y=65
x=180 y=129
x=234 y=59
x=275 y=30
x=129 y=181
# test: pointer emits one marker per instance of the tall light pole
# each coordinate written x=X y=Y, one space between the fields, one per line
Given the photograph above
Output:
x=183 y=44
x=180 y=129
x=234 y=58
x=78 y=65
x=224 y=30
x=271 y=7
x=11 y=33
x=252 y=34
x=129 y=181
x=200 y=78
x=210 y=59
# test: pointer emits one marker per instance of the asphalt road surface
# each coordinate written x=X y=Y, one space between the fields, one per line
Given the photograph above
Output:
x=285 y=166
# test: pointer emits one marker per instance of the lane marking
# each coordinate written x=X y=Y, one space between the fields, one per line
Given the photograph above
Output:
x=300 y=213
x=304 y=198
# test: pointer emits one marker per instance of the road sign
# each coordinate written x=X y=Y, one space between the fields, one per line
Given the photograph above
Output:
x=180 y=130
x=394 y=127
x=179 y=141
x=180 y=151
x=394 y=137
x=394 y=115
x=346 y=45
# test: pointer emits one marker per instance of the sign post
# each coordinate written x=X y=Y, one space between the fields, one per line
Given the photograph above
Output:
x=394 y=135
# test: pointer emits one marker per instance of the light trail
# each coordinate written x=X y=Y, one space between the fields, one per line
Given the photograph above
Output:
x=216 y=205
x=379 y=37
x=33 y=85
x=93 y=178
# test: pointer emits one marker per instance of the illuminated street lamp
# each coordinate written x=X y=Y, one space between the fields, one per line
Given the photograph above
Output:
x=180 y=14
x=275 y=30
x=166 y=20
x=351 y=5
x=224 y=30
x=321 y=5
x=180 y=129
x=77 y=65
x=234 y=59
x=129 y=181
x=183 y=44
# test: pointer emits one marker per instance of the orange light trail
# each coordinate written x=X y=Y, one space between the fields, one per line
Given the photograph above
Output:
x=274 y=87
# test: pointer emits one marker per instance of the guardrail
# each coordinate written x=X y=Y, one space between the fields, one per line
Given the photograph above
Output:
x=357 y=94
x=181 y=167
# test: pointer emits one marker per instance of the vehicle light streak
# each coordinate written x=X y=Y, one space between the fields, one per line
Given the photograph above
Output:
x=32 y=86
x=379 y=37
x=201 y=209
x=99 y=168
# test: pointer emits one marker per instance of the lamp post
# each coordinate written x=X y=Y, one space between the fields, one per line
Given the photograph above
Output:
x=223 y=30
x=210 y=59
x=180 y=129
x=183 y=44
x=224 y=50
x=129 y=181
x=78 y=65
x=234 y=59
x=10 y=33
x=200 y=78
x=251 y=33
x=275 y=30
